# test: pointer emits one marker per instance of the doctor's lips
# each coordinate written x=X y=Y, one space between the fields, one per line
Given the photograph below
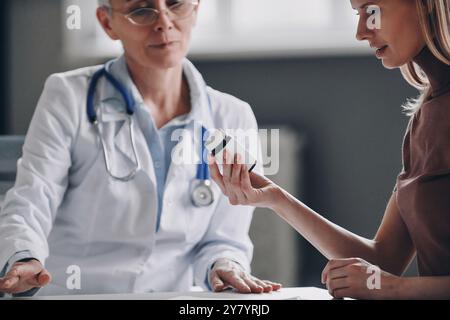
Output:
x=163 y=44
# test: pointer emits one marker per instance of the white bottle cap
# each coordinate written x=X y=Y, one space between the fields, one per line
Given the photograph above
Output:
x=218 y=141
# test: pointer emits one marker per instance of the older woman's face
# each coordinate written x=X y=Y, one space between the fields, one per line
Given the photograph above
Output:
x=162 y=44
x=399 y=38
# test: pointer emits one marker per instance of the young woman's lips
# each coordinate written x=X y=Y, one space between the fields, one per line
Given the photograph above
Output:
x=381 y=52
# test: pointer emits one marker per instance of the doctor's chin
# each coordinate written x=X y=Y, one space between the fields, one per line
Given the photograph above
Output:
x=225 y=150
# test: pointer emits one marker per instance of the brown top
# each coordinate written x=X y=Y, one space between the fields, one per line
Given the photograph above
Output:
x=423 y=187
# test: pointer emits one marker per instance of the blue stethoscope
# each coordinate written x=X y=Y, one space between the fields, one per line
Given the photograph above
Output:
x=201 y=191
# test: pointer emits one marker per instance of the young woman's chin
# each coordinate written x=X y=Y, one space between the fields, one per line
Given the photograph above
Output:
x=389 y=64
x=392 y=61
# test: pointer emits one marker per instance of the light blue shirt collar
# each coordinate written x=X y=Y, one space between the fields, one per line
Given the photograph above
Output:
x=201 y=110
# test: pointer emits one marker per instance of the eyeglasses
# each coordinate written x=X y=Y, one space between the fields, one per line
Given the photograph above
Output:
x=147 y=16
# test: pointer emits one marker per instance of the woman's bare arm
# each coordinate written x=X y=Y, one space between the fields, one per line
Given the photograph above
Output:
x=391 y=248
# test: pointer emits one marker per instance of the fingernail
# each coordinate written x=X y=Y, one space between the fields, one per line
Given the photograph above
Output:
x=43 y=279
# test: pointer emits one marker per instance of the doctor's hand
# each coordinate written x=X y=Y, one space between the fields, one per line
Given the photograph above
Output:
x=24 y=276
x=229 y=274
x=240 y=186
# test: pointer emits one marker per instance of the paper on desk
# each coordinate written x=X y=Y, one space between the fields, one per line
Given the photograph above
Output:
x=283 y=294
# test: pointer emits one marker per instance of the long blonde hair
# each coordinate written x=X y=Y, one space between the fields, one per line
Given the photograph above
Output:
x=434 y=17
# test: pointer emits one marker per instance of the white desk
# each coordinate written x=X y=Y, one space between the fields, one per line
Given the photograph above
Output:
x=284 y=294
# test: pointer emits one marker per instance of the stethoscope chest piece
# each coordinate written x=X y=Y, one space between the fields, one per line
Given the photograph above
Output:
x=202 y=194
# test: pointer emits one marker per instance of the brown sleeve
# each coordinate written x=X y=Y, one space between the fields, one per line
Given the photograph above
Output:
x=405 y=150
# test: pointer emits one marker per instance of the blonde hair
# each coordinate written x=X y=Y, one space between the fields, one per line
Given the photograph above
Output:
x=434 y=17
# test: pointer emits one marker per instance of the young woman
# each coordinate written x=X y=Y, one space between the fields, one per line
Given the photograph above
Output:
x=414 y=36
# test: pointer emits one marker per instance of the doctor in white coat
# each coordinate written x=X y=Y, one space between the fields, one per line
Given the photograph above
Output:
x=67 y=211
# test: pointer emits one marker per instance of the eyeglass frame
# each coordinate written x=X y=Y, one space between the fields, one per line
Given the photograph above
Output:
x=158 y=12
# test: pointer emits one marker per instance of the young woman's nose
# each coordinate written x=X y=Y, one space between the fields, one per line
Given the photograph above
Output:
x=363 y=32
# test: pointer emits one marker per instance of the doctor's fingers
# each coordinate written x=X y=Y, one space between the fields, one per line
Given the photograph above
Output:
x=266 y=287
x=32 y=271
x=234 y=280
x=253 y=284
x=275 y=286
x=13 y=283
x=217 y=284
x=8 y=283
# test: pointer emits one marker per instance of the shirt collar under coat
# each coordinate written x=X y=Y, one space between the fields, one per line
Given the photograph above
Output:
x=201 y=109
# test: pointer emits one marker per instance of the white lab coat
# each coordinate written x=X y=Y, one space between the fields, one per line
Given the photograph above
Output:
x=67 y=211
